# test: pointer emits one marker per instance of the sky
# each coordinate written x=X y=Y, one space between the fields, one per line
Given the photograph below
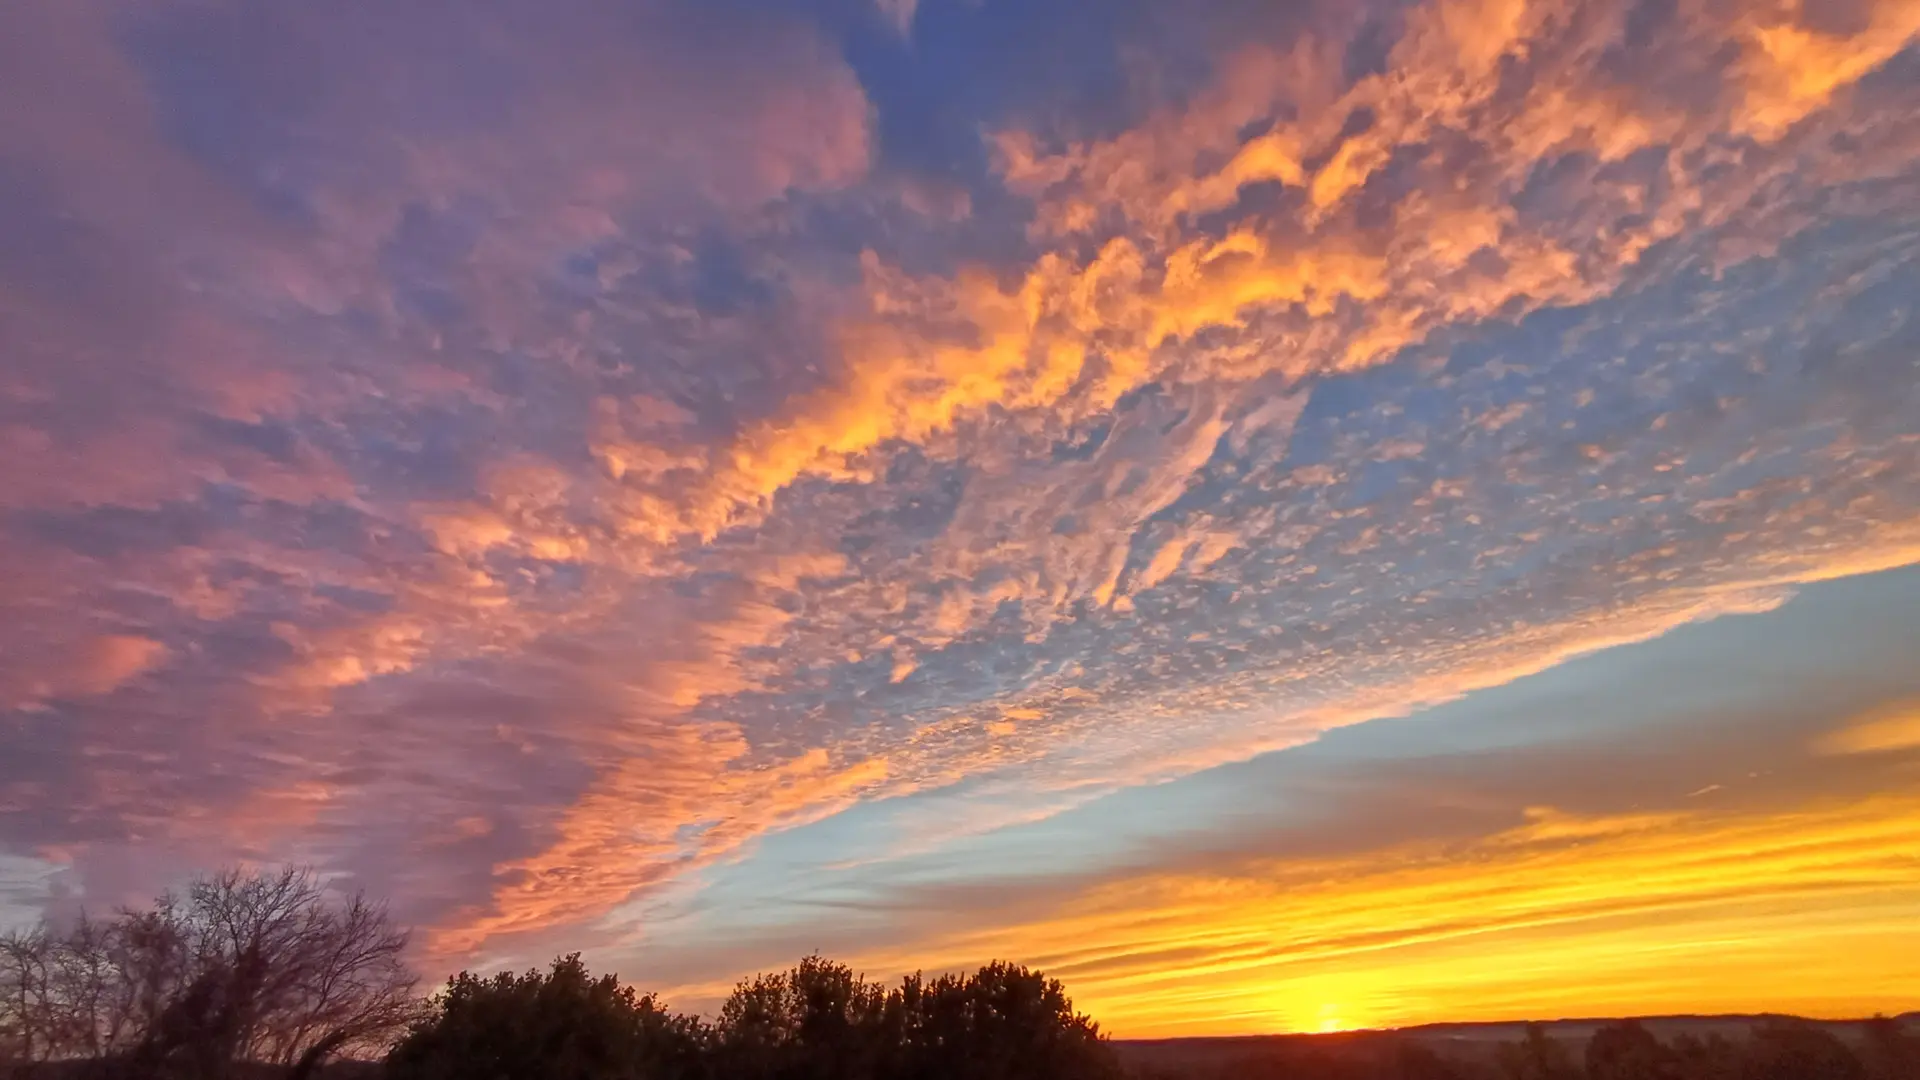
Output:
x=1285 y=516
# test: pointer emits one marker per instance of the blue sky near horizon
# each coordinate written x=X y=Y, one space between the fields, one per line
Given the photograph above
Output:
x=700 y=482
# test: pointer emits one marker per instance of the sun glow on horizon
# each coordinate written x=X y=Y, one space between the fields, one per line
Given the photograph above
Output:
x=1626 y=916
x=1330 y=1020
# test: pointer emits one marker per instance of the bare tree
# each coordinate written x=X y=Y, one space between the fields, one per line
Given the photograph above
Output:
x=23 y=995
x=261 y=967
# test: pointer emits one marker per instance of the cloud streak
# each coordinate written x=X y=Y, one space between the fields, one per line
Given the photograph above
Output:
x=1535 y=920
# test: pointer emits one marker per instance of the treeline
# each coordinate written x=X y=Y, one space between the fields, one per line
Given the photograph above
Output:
x=818 y=1021
x=1781 y=1049
x=273 y=975
x=249 y=976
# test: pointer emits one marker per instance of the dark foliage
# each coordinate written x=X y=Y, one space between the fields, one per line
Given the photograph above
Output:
x=1890 y=1052
x=1003 y=1022
x=817 y=1021
x=1789 y=1051
x=562 y=1024
x=1627 y=1051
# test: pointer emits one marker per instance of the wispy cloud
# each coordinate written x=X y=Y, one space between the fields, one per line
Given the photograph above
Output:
x=1894 y=726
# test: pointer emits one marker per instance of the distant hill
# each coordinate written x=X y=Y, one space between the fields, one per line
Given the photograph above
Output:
x=95 y=1070
x=1471 y=1038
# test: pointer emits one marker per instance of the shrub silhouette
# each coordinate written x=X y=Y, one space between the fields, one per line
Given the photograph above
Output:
x=561 y=1024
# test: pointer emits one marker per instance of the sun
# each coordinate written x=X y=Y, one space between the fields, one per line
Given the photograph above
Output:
x=1330 y=1020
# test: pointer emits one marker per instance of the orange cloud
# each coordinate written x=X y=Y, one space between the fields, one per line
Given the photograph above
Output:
x=679 y=798
x=112 y=659
x=1085 y=325
x=1797 y=69
x=348 y=655
x=1895 y=726
x=88 y=668
x=674 y=793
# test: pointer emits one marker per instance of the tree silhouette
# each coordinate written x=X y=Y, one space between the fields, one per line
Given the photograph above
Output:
x=1709 y=1058
x=1787 y=1050
x=1003 y=1022
x=1890 y=1052
x=818 y=1021
x=1627 y=1051
x=1537 y=1056
x=561 y=1024
x=1411 y=1061
x=821 y=1021
x=246 y=967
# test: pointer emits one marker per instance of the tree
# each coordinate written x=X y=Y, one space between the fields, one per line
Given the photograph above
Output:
x=1537 y=1056
x=1790 y=1050
x=561 y=1024
x=1890 y=1051
x=817 y=1021
x=1003 y=1022
x=23 y=982
x=1627 y=1051
x=269 y=967
x=1711 y=1058
x=1411 y=1061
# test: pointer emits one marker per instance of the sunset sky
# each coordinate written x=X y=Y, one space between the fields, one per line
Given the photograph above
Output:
x=1284 y=515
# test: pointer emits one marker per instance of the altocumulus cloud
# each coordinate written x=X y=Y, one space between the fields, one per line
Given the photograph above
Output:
x=524 y=457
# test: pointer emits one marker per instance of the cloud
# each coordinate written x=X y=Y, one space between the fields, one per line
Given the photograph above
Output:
x=1082 y=328
x=199 y=464
x=1798 y=68
x=898 y=12
x=1895 y=726
x=88 y=668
